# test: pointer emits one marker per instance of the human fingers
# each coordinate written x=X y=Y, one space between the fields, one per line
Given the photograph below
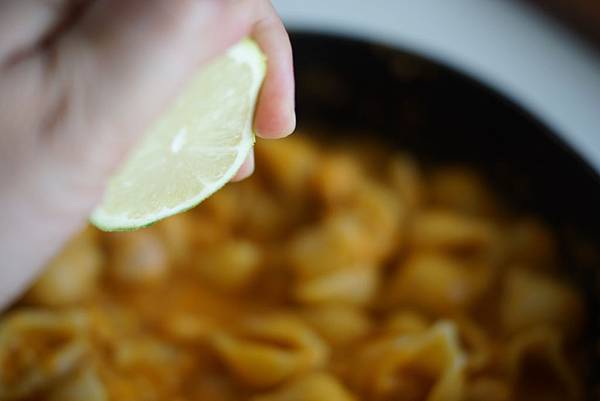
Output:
x=128 y=59
x=275 y=112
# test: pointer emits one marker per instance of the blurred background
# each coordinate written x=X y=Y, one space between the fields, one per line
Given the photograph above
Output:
x=543 y=55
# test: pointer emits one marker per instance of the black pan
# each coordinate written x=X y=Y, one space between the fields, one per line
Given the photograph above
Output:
x=441 y=115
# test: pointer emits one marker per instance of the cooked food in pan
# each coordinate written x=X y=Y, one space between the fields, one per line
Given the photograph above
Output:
x=339 y=272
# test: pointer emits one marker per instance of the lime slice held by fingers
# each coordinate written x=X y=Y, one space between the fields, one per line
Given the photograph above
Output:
x=194 y=149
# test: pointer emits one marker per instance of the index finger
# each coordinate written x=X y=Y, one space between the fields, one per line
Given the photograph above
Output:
x=275 y=112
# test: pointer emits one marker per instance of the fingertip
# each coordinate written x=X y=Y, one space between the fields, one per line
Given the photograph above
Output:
x=275 y=112
x=246 y=169
x=276 y=125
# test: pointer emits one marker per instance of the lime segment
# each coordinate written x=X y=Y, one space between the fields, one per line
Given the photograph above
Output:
x=194 y=149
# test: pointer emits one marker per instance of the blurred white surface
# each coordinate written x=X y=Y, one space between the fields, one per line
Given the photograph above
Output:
x=512 y=48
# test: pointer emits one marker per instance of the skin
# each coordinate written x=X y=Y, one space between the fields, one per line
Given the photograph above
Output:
x=81 y=79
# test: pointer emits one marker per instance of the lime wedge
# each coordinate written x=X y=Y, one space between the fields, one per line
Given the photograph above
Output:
x=194 y=149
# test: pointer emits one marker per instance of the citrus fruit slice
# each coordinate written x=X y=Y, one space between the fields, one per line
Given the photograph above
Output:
x=194 y=149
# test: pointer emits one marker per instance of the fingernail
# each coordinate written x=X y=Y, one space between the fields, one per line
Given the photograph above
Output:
x=292 y=126
x=280 y=128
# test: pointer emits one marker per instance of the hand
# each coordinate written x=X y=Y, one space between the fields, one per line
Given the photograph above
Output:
x=81 y=79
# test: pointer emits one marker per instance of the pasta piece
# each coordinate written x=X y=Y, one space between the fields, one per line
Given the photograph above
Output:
x=488 y=389
x=288 y=165
x=263 y=217
x=382 y=215
x=185 y=299
x=215 y=219
x=531 y=299
x=437 y=283
x=229 y=266
x=37 y=348
x=176 y=233
x=354 y=285
x=223 y=207
x=462 y=190
x=449 y=231
x=84 y=385
x=533 y=244
x=284 y=328
x=339 y=242
x=479 y=348
x=144 y=367
x=137 y=258
x=271 y=349
x=210 y=385
x=538 y=368
x=337 y=180
x=132 y=361
x=255 y=364
x=405 y=322
x=338 y=324
x=108 y=322
x=72 y=276
x=419 y=366
x=365 y=232
x=275 y=280
x=189 y=328
x=368 y=154
x=313 y=387
x=148 y=352
x=406 y=178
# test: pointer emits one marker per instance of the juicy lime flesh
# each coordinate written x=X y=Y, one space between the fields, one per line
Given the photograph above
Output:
x=188 y=168
x=192 y=151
